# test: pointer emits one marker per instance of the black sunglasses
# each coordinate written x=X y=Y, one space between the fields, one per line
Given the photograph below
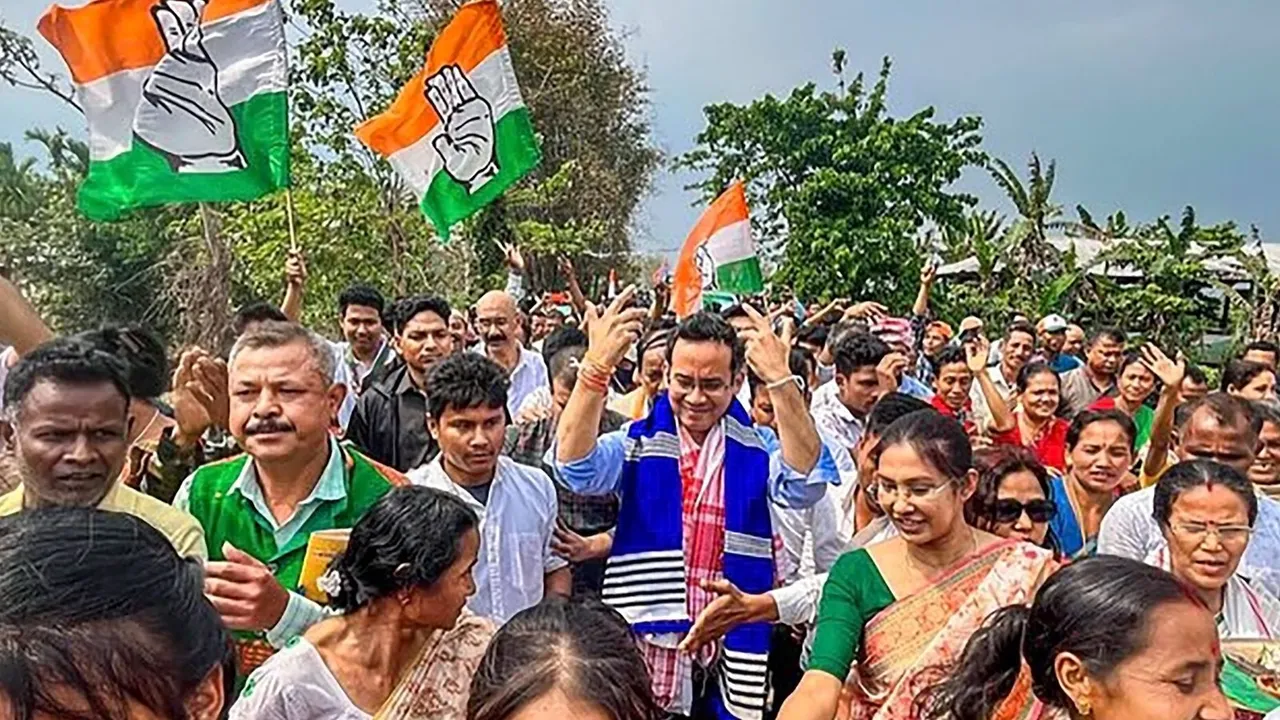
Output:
x=1040 y=511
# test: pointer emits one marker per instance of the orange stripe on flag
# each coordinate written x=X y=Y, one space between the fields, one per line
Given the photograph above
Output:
x=686 y=282
x=474 y=34
x=107 y=36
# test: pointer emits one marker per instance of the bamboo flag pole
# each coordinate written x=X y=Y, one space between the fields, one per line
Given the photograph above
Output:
x=288 y=209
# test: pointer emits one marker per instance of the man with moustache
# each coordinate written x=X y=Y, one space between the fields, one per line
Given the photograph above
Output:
x=497 y=320
x=258 y=510
x=390 y=421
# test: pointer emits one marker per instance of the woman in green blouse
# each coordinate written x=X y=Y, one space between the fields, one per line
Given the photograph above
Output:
x=911 y=602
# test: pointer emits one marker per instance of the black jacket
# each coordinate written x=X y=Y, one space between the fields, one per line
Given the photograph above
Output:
x=390 y=423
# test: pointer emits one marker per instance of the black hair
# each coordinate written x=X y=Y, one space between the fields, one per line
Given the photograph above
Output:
x=797 y=363
x=889 y=408
x=581 y=647
x=1115 y=335
x=1267 y=411
x=97 y=611
x=141 y=351
x=562 y=337
x=815 y=334
x=1132 y=357
x=735 y=310
x=1191 y=474
x=408 y=538
x=1263 y=346
x=1022 y=326
x=1089 y=417
x=1239 y=373
x=363 y=296
x=402 y=311
x=994 y=465
x=950 y=355
x=709 y=327
x=1227 y=409
x=256 y=312
x=465 y=380
x=1033 y=369
x=1097 y=609
x=858 y=349
x=65 y=360
x=936 y=438
x=563 y=366
x=1197 y=375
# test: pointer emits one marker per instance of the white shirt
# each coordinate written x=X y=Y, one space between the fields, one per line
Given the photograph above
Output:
x=515 y=535
x=834 y=420
x=295 y=684
x=982 y=411
x=811 y=539
x=351 y=375
x=1129 y=530
x=529 y=374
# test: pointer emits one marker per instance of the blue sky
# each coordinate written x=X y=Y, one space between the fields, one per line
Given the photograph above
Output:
x=1146 y=105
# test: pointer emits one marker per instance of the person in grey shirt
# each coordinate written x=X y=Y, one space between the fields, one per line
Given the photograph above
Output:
x=1082 y=386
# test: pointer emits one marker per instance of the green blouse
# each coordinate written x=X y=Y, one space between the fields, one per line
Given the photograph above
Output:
x=855 y=592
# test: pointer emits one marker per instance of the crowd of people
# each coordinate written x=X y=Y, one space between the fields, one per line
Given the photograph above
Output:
x=541 y=507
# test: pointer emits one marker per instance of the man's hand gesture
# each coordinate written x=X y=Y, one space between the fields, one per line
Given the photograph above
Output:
x=867 y=311
x=295 y=269
x=244 y=592
x=768 y=354
x=200 y=398
x=976 y=354
x=612 y=333
x=467 y=142
x=513 y=258
x=1170 y=372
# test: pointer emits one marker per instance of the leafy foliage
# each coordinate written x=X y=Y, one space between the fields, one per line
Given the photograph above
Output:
x=839 y=188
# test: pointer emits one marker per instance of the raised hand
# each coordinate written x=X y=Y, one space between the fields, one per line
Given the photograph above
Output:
x=928 y=274
x=466 y=143
x=1169 y=371
x=190 y=401
x=243 y=591
x=890 y=370
x=181 y=114
x=767 y=352
x=295 y=269
x=513 y=258
x=976 y=354
x=612 y=333
x=866 y=310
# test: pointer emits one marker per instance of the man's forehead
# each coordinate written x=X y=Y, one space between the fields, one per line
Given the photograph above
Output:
x=425 y=320
x=292 y=359
x=363 y=312
x=52 y=399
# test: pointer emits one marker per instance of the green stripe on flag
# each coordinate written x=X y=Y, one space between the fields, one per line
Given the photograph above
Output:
x=516 y=148
x=742 y=276
x=142 y=177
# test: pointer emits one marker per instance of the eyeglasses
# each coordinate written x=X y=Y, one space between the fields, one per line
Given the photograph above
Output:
x=1040 y=511
x=1227 y=534
x=910 y=492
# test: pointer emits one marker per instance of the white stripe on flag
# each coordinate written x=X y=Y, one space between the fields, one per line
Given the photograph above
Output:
x=494 y=79
x=247 y=48
x=731 y=243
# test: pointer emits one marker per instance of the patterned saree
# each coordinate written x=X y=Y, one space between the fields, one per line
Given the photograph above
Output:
x=438 y=684
x=909 y=644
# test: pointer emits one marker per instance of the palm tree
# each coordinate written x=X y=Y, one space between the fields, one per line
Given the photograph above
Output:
x=1116 y=228
x=19 y=191
x=1032 y=201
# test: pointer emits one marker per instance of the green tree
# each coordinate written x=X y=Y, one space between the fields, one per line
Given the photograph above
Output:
x=840 y=187
x=1029 y=242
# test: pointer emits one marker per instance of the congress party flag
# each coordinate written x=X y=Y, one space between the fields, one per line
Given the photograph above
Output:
x=185 y=99
x=459 y=133
x=718 y=255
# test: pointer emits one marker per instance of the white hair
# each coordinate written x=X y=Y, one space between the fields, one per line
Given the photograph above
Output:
x=274 y=334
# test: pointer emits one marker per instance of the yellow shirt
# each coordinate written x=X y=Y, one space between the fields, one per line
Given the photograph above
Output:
x=179 y=527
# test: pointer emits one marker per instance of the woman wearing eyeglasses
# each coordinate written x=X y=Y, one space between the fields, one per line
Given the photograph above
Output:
x=1012 y=498
x=1206 y=511
x=907 y=605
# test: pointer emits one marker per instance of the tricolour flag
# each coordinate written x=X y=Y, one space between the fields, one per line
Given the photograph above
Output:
x=185 y=99
x=459 y=133
x=719 y=254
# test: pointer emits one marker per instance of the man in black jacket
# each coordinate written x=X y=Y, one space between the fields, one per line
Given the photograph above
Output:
x=390 y=420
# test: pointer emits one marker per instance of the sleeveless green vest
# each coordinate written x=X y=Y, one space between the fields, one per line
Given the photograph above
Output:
x=229 y=517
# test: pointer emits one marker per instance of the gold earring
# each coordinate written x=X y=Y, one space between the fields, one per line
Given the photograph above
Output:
x=1082 y=707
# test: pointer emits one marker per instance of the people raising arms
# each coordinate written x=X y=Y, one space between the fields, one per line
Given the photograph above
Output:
x=940 y=578
x=1106 y=638
x=1036 y=423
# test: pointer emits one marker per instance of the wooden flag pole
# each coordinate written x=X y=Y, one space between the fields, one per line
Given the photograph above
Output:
x=288 y=209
